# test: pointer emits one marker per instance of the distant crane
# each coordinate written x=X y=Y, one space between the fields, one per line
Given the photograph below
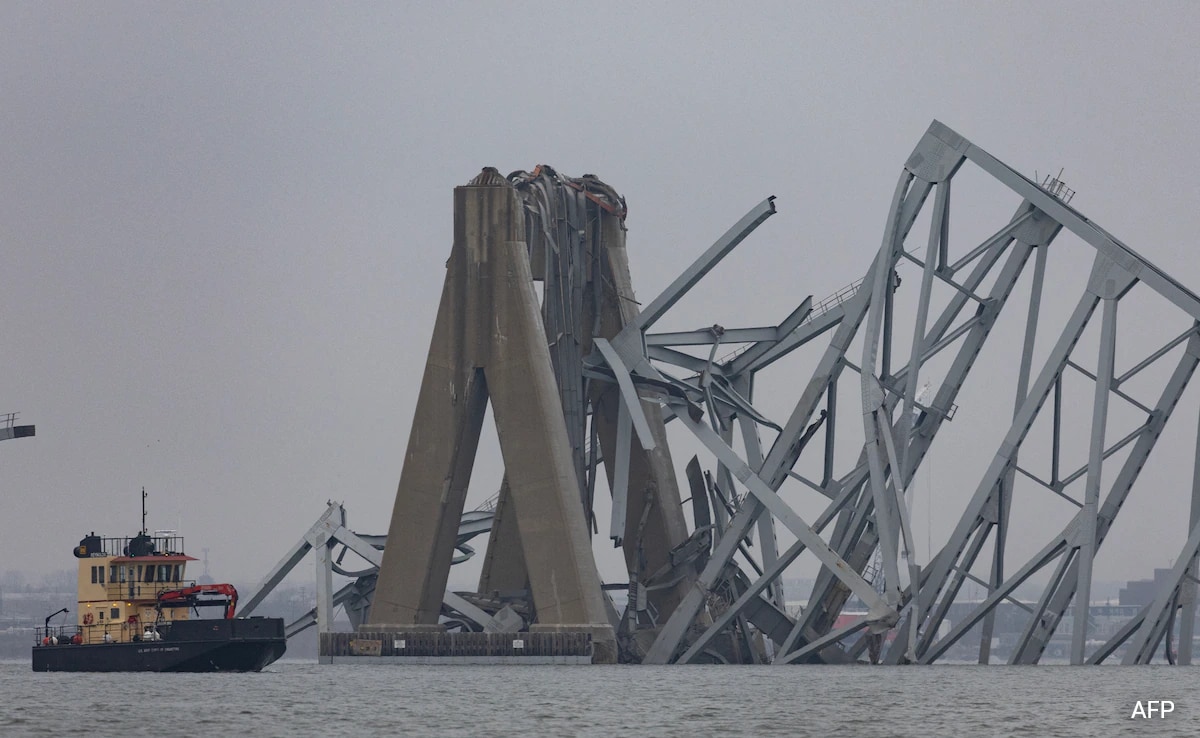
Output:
x=10 y=429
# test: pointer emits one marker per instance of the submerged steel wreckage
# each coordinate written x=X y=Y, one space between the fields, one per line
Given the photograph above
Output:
x=581 y=385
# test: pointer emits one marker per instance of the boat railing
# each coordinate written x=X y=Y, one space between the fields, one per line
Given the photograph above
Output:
x=163 y=545
x=134 y=590
x=99 y=633
x=112 y=631
x=57 y=635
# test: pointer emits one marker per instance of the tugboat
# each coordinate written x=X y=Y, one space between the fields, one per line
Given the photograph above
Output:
x=134 y=613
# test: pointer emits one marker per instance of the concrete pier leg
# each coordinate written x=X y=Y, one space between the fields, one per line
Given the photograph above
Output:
x=437 y=464
x=533 y=440
x=489 y=341
x=504 y=567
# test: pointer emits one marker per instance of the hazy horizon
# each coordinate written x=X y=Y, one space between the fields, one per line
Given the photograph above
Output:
x=224 y=227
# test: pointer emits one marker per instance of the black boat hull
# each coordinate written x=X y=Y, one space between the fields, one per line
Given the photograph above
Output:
x=191 y=646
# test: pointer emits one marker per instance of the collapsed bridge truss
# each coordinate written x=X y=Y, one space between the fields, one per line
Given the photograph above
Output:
x=581 y=383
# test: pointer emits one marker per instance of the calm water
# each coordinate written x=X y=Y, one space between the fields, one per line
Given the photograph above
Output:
x=301 y=699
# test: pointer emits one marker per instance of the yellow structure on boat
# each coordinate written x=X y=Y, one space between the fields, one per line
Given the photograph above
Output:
x=121 y=581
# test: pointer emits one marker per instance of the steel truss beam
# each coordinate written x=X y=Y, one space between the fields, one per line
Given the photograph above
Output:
x=330 y=531
x=868 y=503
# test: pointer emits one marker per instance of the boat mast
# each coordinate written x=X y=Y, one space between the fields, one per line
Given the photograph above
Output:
x=143 y=510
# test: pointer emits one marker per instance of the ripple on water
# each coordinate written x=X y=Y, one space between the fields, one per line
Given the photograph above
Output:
x=297 y=699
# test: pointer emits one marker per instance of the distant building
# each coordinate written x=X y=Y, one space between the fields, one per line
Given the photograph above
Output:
x=1140 y=592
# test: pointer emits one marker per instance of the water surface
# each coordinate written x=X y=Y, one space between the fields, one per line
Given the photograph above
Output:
x=302 y=699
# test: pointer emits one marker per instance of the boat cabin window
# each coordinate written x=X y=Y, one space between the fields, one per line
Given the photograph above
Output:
x=101 y=614
x=115 y=613
x=149 y=574
x=164 y=572
x=178 y=572
x=93 y=575
x=121 y=573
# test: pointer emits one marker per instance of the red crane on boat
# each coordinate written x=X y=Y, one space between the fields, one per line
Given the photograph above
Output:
x=192 y=597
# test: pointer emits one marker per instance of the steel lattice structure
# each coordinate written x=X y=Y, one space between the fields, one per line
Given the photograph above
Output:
x=867 y=495
x=701 y=595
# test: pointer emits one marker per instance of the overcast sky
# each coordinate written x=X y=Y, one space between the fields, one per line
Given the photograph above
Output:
x=223 y=226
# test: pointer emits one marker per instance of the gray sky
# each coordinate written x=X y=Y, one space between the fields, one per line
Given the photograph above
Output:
x=223 y=225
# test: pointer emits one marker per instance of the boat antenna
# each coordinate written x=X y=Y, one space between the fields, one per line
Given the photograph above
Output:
x=143 y=510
